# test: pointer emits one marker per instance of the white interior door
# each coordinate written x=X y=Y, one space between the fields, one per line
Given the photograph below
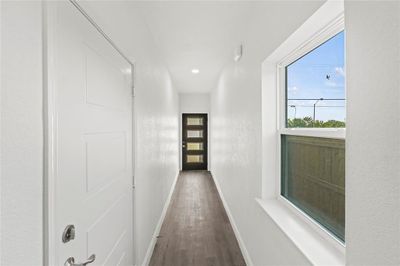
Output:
x=93 y=143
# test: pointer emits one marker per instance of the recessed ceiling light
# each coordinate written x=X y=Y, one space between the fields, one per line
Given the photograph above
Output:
x=195 y=71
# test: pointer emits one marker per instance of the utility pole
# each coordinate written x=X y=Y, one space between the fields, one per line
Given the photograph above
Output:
x=320 y=99
x=295 y=110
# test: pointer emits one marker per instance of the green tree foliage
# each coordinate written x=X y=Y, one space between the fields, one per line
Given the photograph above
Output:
x=309 y=122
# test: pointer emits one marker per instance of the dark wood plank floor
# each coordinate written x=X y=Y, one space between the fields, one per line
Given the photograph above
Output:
x=196 y=229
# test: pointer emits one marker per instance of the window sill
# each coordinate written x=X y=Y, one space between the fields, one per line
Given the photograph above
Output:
x=334 y=133
x=313 y=246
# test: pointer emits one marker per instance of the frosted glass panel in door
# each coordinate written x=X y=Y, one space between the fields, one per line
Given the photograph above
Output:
x=194 y=158
x=194 y=133
x=195 y=146
x=194 y=121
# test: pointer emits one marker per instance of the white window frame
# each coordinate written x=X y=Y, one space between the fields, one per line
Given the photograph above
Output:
x=326 y=34
x=317 y=244
x=321 y=37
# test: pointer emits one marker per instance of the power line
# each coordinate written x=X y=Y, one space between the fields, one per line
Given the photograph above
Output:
x=320 y=106
x=314 y=99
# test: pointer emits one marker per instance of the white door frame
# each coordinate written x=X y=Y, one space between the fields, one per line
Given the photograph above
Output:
x=49 y=112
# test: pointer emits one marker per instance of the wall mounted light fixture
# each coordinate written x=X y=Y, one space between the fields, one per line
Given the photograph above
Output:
x=237 y=53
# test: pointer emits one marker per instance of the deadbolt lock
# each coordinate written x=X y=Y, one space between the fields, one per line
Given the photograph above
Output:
x=68 y=234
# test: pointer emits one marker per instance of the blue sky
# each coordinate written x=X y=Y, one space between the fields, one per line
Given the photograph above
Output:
x=307 y=78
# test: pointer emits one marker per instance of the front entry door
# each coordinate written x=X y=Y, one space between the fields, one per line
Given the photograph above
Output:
x=194 y=141
x=92 y=136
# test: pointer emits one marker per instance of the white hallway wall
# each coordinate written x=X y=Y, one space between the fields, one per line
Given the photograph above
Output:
x=236 y=137
x=157 y=125
x=194 y=103
x=373 y=133
x=373 y=146
x=21 y=134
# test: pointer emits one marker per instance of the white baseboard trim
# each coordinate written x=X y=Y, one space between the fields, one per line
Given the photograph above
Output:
x=153 y=241
x=243 y=248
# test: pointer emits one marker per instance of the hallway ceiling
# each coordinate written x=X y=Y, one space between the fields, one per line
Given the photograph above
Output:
x=203 y=34
x=198 y=35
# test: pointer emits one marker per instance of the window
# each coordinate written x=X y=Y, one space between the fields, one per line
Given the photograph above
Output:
x=315 y=87
x=312 y=137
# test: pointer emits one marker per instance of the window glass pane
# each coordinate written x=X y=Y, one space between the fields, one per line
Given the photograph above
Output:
x=192 y=146
x=315 y=87
x=195 y=133
x=194 y=158
x=313 y=179
x=194 y=121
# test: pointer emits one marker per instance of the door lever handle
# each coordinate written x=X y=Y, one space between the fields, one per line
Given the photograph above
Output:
x=71 y=261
